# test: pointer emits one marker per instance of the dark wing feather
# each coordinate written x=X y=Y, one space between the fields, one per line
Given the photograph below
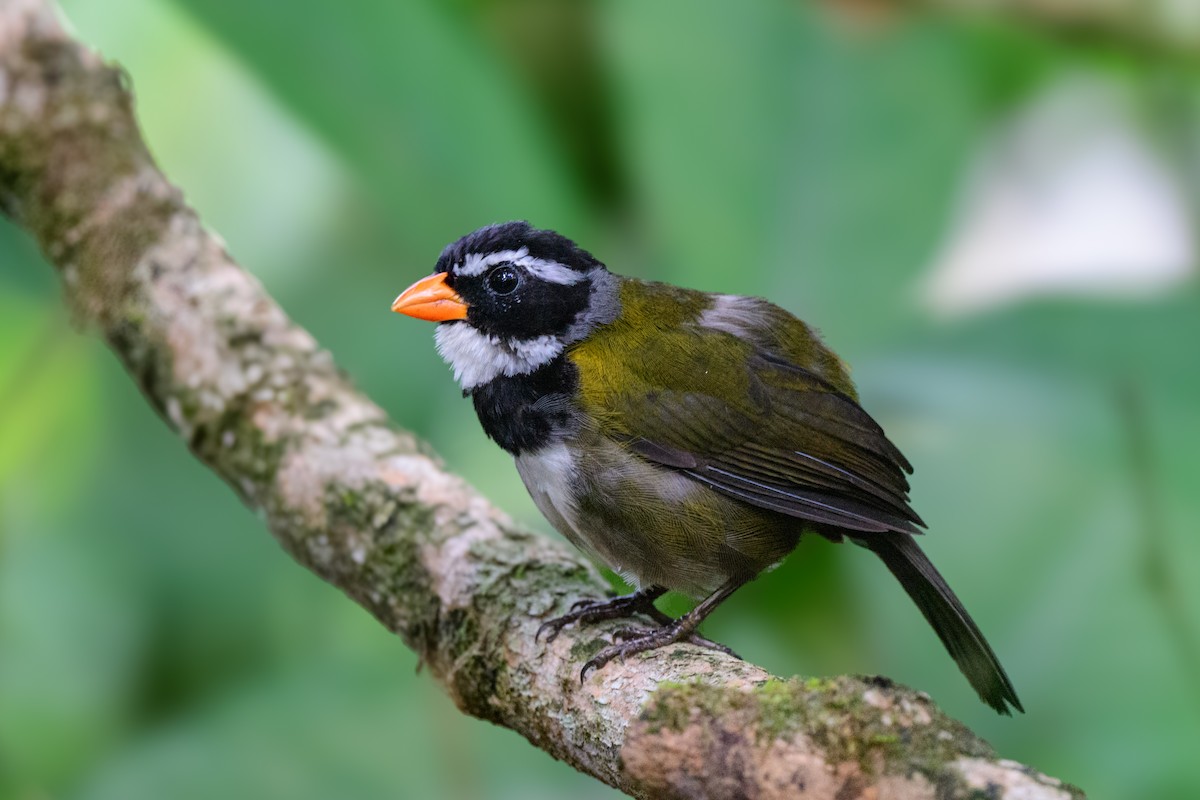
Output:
x=800 y=448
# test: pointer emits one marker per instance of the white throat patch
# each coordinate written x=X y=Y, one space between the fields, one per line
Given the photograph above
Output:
x=478 y=358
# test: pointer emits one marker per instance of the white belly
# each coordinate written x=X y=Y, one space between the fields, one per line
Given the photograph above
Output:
x=550 y=474
x=625 y=512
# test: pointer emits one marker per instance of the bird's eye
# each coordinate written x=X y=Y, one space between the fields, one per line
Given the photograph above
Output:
x=503 y=279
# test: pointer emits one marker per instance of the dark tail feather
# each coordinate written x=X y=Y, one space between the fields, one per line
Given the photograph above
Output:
x=949 y=619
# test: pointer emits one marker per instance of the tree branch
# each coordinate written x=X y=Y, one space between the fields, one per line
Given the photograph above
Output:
x=1169 y=29
x=1162 y=31
x=368 y=508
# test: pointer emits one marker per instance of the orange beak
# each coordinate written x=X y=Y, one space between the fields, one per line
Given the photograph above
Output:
x=431 y=299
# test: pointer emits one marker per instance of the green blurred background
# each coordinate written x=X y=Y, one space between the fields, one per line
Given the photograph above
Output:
x=993 y=224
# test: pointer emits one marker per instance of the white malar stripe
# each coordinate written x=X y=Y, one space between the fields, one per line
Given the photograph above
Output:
x=550 y=271
x=478 y=358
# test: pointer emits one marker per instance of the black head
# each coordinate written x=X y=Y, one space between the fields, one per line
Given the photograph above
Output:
x=510 y=299
x=540 y=244
x=520 y=282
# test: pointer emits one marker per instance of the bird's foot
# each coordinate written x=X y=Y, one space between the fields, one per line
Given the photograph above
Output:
x=588 y=611
x=631 y=641
x=630 y=634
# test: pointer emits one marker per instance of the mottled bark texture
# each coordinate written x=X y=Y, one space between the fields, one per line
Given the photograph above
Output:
x=368 y=508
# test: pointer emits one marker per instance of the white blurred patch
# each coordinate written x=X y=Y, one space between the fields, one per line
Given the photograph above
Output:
x=1069 y=199
x=1181 y=17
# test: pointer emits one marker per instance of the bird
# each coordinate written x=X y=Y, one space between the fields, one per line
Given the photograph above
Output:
x=685 y=439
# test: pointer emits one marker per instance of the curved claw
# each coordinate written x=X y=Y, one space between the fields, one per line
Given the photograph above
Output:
x=709 y=644
x=589 y=610
x=596 y=662
x=645 y=641
x=554 y=626
x=638 y=640
x=680 y=630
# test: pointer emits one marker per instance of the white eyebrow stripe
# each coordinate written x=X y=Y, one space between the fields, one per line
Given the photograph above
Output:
x=550 y=271
x=478 y=263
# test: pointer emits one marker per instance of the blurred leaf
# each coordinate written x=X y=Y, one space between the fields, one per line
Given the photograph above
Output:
x=555 y=48
x=23 y=271
x=777 y=155
x=335 y=729
x=48 y=398
x=71 y=632
x=430 y=119
x=273 y=739
x=1024 y=477
x=1139 y=341
x=181 y=534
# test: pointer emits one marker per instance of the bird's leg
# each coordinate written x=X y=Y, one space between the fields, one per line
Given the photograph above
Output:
x=682 y=629
x=587 y=611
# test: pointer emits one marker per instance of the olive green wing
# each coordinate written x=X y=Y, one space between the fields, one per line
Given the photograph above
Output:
x=747 y=422
x=803 y=450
